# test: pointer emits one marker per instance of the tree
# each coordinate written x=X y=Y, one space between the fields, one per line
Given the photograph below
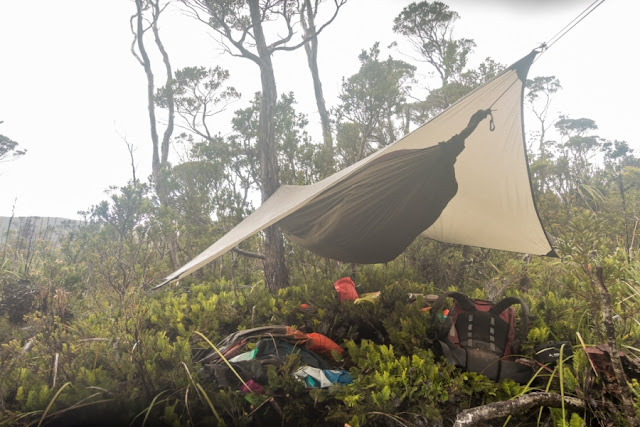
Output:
x=298 y=157
x=572 y=164
x=576 y=146
x=620 y=161
x=210 y=189
x=241 y=25
x=441 y=98
x=429 y=29
x=539 y=95
x=120 y=242
x=9 y=148
x=204 y=186
x=197 y=94
x=140 y=24
x=308 y=14
x=204 y=196
x=371 y=107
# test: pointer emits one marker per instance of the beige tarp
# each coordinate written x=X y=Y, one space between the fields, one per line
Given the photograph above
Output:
x=461 y=178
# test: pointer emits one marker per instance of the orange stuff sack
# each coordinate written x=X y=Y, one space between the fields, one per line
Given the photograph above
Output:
x=346 y=289
x=322 y=345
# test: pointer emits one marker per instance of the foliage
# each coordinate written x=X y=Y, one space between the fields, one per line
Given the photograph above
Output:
x=9 y=149
x=199 y=95
x=136 y=352
x=428 y=27
x=297 y=155
x=417 y=387
x=371 y=110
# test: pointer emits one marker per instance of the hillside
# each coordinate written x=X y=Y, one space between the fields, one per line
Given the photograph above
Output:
x=33 y=228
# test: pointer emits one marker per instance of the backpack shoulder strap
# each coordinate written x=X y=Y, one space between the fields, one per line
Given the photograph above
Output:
x=462 y=299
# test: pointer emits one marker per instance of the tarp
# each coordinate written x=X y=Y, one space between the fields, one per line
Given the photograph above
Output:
x=461 y=178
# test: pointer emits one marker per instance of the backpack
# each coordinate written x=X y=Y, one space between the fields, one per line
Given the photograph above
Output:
x=481 y=336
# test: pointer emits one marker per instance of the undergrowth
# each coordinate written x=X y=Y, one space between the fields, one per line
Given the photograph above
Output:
x=130 y=359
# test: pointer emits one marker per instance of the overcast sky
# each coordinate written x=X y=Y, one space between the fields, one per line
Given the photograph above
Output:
x=71 y=92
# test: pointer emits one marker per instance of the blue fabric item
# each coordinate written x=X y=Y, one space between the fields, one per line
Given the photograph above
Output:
x=313 y=377
x=311 y=382
x=338 y=376
x=322 y=378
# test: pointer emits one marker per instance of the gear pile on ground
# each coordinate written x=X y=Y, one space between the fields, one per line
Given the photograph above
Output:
x=250 y=352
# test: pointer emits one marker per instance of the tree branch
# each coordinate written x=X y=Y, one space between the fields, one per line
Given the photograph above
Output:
x=338 y=4
x=247 y=253
x=226 y=31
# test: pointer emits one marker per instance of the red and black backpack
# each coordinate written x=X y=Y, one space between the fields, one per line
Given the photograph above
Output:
x=481 y=336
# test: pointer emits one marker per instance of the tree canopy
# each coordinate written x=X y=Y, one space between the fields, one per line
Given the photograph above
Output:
x=9 y=149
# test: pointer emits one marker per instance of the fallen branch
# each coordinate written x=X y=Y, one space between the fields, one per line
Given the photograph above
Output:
x=516 y=406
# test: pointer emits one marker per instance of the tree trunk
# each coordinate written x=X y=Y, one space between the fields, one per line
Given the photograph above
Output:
x=627 y=248
x=275 y=270
x=164 y=148
x=160 y=149
x=311 y=49
x=624 y=390
x=543 y=155
x=407 y=119
x=146 y=63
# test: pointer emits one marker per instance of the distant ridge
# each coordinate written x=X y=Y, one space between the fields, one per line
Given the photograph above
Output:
x=29 y=229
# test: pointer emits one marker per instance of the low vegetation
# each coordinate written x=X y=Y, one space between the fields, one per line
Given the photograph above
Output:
x=77 y=349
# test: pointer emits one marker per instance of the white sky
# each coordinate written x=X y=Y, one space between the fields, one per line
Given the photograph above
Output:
x=70 y=90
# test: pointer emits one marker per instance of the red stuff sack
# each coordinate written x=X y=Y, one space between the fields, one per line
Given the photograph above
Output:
x=322 y=345
x=346 y=289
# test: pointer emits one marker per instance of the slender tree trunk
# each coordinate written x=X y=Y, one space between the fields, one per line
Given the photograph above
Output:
x=275 y=270
x=161 y=185
x=626 y=221
x=160 y=149
x=407 y=119
x=164 y=148
x=543 y=156
x=626 y=397
x=311 y=49
x=146 y=64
